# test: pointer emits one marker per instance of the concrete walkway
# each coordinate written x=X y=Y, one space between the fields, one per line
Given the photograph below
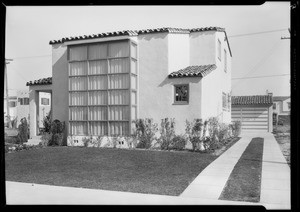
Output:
x=204 y=190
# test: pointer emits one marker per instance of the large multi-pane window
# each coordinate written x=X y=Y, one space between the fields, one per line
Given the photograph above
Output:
x=102 y=88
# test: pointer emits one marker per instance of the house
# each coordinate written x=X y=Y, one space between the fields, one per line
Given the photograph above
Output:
x=102 y=83
x=254 y=112
x=281 y=108
x=40 y=96
x=18 y=106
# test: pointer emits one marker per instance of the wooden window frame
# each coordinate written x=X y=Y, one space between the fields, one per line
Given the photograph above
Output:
x=188 y=95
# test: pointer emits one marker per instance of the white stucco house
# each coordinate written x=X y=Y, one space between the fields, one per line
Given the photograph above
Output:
x=18 y=105
x=101 y=83
x=281 y=107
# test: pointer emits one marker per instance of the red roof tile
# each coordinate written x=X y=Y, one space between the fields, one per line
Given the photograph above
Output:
x=252 y=100
x=193 y=71
x=43 y=81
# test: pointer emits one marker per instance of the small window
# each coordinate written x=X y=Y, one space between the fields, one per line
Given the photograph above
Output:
x=219 y=49
x=21 y=100
x=224 y=100
x=26 y=101
x=228 y=102
x=225 y=60
x=181 y=94
x=45 y=101
x=12 y=104
x=274 y=106
x=289 y=105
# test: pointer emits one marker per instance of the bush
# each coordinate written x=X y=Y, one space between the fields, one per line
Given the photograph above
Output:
x=223 y=132
x=57 y=129
x=46 y=139
x=167 y=132
x=23 y=131
x=193 y=131
x=145 y=132
x=213 y=124
x=236 y=128
x=47 y=121
x=178 y=142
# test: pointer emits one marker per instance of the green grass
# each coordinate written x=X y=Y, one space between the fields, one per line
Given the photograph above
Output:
x=245 y=180
x=143 y=171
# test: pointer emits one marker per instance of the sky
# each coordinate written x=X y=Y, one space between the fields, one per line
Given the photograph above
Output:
x=254 y=33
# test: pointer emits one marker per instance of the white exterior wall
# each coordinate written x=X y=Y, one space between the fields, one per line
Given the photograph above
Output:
x=60 y=81
x=202 y=48
x=217 y=82
x=178 y=52
x=156 y=90
x=285 y=108
x=43 y=109
x=22 y=110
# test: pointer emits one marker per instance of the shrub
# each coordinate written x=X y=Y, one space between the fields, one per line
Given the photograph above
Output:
x=178 y=142
x=213 y=124
x=167 y=132
x=57 y=129
x=46 y=139
x=47 y=122
x=236 y=128
x=23 y=131
x=223 y=132
x=193 y=131
x=87 y=140
x=145 y=132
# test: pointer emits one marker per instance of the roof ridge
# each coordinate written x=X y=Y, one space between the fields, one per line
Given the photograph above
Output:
x=136 y=32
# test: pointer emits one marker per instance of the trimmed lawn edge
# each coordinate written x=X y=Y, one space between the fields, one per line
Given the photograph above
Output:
x=244 y=182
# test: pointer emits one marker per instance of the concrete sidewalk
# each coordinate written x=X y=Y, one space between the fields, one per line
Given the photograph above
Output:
x=275 y=182
x=204 y=190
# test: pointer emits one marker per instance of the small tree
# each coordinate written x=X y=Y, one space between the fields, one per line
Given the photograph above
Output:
x=57 y=129
x=167 y=132
x=145 y=132
x=23 y=131
x=193 y=131
x=47 y=122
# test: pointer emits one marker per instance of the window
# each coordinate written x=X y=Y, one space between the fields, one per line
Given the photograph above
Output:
x=26 y=101
x=12 y=104
x=224 y=100
x=228 y=102
x=289 y=105
x=102 y=88
x=181 y=94
x=219 y=49
x=225 y=60
x=274 y=106
x=44 y=101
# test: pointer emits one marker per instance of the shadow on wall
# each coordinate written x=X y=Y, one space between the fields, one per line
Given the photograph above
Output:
x=151 y=36
x=203 y=33
x=173 y=81
x=60 y=94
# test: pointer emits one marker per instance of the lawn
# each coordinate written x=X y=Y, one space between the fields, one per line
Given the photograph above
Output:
x=142 y=171
x=245 y=179
x=283 y=138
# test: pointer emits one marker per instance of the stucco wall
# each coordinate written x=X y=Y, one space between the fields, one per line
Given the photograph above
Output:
x=43 y=109
x=215 y=83
x=202 y=48
x=156 y=90
x=33 y=105
x=60 y=98
x=285 y=108
x=22 y=110
x=178 y=52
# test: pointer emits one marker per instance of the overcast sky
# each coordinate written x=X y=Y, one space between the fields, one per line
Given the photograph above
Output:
x=264 y=53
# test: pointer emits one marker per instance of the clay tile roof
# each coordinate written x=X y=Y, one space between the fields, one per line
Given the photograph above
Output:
x=193 y=71
x=43 y=81
x=252 y=100
x=137 y=32
x=280 y=98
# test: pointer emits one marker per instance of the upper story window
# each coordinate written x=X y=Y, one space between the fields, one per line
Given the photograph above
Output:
x=12 y=104
x=274 y=106
x=219 y=49
x=181 y=94
x=225 y=60
x=23 y=101
x=44 y=101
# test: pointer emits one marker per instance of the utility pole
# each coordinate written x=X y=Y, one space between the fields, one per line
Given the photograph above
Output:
x=7 y=97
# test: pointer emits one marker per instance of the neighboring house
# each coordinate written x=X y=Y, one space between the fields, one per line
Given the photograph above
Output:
x=281 y=107
x=18 y=106
x=254 y=112
x=102 y=83
x=40 y=103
